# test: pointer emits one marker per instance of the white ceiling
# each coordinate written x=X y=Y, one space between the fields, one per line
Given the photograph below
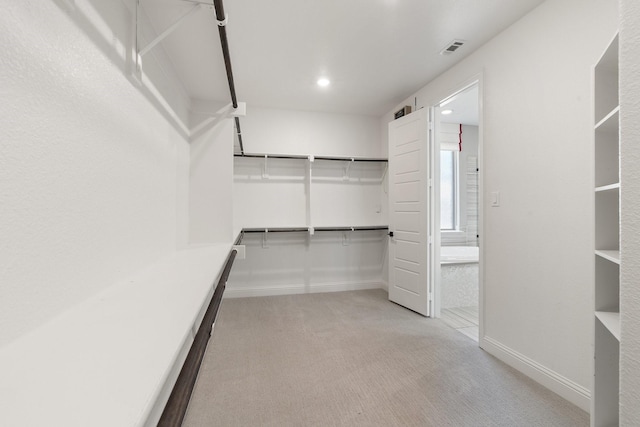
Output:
x=464 y=107
x=375 y=52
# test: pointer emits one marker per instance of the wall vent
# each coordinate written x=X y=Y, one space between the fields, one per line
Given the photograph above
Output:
x=452 y=47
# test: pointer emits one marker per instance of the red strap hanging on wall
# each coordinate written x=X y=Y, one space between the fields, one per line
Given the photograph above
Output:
x=460 y=139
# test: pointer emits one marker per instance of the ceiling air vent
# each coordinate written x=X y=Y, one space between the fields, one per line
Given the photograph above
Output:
x=451 y=47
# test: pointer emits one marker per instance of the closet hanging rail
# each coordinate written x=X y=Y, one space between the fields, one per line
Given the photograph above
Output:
x=275 y=230
x=305 y=229
x=295 y=156
x=372 y=228
x=221 y=17
x=353 y=159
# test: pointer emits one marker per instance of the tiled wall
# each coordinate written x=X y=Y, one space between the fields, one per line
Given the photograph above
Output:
x=472 y=201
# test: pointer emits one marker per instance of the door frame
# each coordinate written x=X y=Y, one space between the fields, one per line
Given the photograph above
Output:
x=435 y=195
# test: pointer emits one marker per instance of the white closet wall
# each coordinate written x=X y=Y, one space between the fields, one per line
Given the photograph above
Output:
x=94 y=188
x=211 y=185
x=630 y=199
x=269 y=193
x=347 y=193
x=91 y=173
x=292 y=263
x=276 y=192
x=272 y=130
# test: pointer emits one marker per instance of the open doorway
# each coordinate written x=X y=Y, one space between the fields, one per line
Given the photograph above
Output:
x=457 y=191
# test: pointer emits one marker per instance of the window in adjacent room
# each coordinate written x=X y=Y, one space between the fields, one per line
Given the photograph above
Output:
x=448 y=190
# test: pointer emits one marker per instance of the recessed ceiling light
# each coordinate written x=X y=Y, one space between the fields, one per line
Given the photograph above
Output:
x=446 y=112
x=323 y=82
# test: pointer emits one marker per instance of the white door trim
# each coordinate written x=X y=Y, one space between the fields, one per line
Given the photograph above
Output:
x=476 y=79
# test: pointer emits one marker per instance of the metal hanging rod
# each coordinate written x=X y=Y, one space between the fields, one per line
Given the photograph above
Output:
x=224 y=43
x=365 y=228
x=306 y=229
x=293 y=156
x=271 y=156
x=353 y=159
x=275 y=230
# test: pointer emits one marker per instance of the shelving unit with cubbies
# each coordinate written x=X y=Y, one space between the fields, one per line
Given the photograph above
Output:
x=605 y=391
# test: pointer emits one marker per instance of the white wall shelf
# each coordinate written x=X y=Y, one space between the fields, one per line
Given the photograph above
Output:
x=610 y=122
x=611 y=321
x=121 y=336
x=605 y=390
x=611 y=255
x=609 y=187
x=606 y=151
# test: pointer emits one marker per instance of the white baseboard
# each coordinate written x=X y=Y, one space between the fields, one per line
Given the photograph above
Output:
x=571 y=391
x=232 y=292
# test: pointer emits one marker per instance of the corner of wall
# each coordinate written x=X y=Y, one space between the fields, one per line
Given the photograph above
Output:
x=211 y=185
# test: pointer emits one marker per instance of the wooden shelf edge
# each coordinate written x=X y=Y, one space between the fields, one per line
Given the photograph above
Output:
x=611 y=321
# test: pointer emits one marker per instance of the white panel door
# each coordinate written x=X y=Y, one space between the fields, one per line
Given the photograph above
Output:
x=409 y=278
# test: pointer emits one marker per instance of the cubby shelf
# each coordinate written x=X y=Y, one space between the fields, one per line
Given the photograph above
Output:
x=610 y=122
x=611 y=321
x=610 y=187
x=605 y=390
x=612 y=255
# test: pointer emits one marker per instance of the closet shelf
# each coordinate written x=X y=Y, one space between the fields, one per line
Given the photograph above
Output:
x=609 y=187
x=611 y=321
x=610 y=122
x=611 y=255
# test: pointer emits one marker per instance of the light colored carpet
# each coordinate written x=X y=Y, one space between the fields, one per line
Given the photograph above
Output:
x=355 y=359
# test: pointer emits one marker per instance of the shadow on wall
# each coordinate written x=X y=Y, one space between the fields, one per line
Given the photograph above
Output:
x=110 y=27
